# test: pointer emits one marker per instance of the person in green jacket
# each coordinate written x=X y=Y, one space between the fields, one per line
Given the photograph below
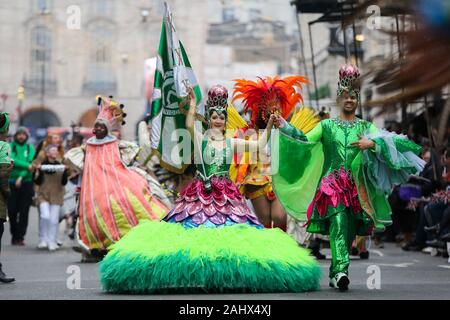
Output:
x=21 y=184
x=5 y=170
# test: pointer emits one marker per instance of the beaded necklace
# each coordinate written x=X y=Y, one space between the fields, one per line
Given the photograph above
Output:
x=346 y=123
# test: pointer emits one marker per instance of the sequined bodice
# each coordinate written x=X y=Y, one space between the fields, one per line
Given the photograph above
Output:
x=337 y=137
x=215 y=161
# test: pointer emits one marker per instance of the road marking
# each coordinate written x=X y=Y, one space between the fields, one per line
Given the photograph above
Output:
x=397 y=265
x=378 y=252
x=444 y=266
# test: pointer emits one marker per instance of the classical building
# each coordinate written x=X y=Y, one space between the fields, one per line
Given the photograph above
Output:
x=66 y=52
x=259 y=47
x=247 y=39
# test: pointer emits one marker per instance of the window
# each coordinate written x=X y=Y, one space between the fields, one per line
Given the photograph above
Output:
x=41 y=55
x=40 y=118
x=254 y=14
x=228 y=14
x=100 y=73
x=104 y=8
x=42 y=6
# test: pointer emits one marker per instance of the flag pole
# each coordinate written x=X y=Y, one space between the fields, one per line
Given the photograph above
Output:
x=200 y=147
x=195 y=137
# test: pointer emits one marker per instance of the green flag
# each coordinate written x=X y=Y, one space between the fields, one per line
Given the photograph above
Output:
x=173 y=77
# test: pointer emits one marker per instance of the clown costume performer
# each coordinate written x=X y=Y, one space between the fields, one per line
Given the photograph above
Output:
x=262 y=98
x=113 y=197
x=210 y=241
x=346 y=168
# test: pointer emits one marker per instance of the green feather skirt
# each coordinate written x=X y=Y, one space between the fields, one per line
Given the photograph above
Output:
x=161 y=257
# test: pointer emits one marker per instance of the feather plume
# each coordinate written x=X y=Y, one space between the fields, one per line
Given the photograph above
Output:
x=260 y=95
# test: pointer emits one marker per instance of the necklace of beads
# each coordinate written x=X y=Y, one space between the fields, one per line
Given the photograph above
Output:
x=346 y=123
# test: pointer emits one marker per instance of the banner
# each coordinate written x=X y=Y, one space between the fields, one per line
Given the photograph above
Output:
x=173 y=77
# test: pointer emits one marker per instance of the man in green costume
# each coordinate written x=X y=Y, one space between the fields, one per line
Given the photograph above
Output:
x=347 y=167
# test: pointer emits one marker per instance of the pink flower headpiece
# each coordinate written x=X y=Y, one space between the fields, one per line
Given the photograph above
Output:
x=348 y=79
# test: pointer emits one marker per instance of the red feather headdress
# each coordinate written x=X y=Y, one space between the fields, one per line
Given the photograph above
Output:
x=269 y=95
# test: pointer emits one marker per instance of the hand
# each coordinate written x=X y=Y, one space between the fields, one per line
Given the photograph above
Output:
x=192 y=98
x=363 y=143
x=279 y=121
x=30 y=168
x=73 y=176
x=19 y=183
x=272 y=120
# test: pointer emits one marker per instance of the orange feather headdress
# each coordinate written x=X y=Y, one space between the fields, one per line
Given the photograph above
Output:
x=269 y=95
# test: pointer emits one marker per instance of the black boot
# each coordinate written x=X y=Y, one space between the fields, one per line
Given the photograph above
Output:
x=316 y=253
x=314 y=246
x=364 y=255
x=4 y=278
x=98 y=254
x=354 y=251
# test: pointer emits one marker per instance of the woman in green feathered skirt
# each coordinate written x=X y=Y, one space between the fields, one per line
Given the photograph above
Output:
x=210 y=242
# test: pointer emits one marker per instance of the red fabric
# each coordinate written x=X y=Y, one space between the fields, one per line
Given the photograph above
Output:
x=105 y=177
x=335 y=188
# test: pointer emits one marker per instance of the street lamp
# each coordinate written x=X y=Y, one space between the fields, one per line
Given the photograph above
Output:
x=145 y=13
x=20 y=98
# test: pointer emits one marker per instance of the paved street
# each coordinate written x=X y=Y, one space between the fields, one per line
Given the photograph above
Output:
x=42 y=275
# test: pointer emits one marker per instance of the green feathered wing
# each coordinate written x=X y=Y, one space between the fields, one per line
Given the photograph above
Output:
x=297 y=168
x=374 y=202
x=393 y=160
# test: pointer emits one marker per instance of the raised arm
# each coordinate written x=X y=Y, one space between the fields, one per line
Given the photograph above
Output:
x=242 y=145
x=315 y=135
x=195 y=133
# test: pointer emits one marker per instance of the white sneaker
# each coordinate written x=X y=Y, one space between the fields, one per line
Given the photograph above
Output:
x=340 y=281
x=52 y=247
x=427 y=250
x=434 y=252
x=42 y=245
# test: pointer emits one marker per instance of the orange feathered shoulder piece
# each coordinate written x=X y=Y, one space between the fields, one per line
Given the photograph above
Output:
x=269 y=95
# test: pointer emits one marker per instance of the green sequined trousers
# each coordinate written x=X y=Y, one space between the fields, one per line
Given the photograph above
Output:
x=342 y=233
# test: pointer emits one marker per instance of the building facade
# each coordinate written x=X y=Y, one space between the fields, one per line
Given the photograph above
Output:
x=66 y=52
